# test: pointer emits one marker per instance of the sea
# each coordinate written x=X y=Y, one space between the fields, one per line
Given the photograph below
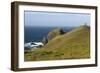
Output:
x=36 y=34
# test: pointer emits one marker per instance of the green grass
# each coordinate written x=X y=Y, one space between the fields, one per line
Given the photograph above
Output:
x=72 y=45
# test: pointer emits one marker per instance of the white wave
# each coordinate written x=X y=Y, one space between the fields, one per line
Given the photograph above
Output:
x=33 y=45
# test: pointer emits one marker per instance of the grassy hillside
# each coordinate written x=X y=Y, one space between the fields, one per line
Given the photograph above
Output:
x=54 y=33
x=71 y=45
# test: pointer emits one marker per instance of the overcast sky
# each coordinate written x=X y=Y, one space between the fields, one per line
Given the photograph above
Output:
x=36 y=18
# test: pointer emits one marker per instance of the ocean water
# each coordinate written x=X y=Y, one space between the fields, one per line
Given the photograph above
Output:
x=36 y=34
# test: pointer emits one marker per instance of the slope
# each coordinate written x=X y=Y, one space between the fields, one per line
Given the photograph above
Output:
x=71 y=45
